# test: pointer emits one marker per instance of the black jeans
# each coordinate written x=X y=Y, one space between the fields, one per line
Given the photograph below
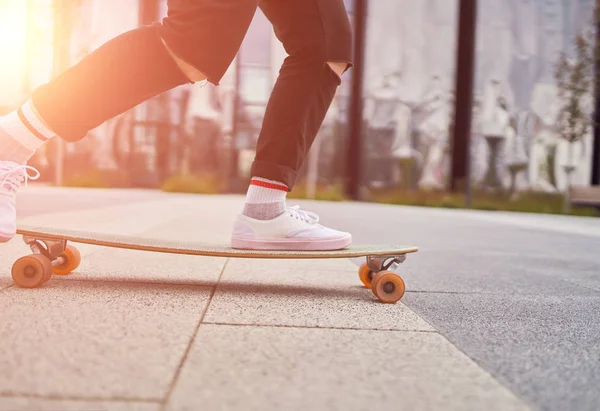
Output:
x=207 y=34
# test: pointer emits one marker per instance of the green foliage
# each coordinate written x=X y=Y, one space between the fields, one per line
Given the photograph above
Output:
x=529 y=202
x=575 y=82
x=95 y=178
x=196 y=184
x=332 y=192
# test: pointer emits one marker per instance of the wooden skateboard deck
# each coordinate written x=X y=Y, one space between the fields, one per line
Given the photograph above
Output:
x=53 y=254
x=202 y=249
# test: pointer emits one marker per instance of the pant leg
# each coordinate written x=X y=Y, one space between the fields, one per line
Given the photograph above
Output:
x=207 y=33
x=313 y=33
x=136 y=66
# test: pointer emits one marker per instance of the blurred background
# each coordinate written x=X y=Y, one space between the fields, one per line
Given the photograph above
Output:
x=390 y=134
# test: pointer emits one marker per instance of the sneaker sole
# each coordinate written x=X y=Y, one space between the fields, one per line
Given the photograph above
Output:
x=306 y=244
x=6 y=239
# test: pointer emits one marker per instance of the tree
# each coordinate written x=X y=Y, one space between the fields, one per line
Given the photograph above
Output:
x=575 y=81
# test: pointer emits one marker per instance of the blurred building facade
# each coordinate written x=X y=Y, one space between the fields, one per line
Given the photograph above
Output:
x=518 y=42
x=408 y=89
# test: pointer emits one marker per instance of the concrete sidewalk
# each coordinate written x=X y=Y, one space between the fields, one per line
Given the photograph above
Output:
x=145 y=331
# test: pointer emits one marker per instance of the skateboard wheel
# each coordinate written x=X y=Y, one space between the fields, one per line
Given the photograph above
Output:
x=32 y=271
x=388 y=287
x=71 y=259
x=365 y=274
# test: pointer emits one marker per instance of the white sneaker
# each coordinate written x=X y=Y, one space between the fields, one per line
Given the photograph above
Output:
x=12 y=176
x=294 y=230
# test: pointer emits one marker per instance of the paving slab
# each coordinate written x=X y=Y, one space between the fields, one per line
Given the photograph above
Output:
x=114 y=264
x=200 y=218
x=152 y=220
x=37 y=404
x=88 y=339
x=128 y=219
x=138 y=266
x=121 y=219
x=41 y=199
x=274 y=368
x=271 y=293
x=544 y=348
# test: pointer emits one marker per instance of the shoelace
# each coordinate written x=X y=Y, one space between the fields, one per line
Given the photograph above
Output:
x=13 y=178
x=307 y=216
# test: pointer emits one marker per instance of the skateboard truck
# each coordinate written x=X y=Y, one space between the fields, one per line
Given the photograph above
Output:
x=52 y=249
x=385 y=262
x=380 y=273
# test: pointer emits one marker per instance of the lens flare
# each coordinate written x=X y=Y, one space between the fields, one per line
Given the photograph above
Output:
x=25 y=35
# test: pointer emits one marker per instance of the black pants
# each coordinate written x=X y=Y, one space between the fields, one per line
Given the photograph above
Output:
x=207 y=34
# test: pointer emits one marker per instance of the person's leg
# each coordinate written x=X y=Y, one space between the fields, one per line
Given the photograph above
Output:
x=318 y=39
x=203 y=35
x=317 y=36
x=197 y=40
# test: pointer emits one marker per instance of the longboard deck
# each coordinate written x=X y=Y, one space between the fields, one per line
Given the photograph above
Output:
x=202 y=249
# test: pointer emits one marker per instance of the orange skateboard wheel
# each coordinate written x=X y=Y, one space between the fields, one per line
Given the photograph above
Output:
x=366 y=275
x=71 y=259
x=31 y=271
x=388 y=287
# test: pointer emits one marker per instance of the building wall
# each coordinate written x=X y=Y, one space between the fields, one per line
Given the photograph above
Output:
x=410 y=72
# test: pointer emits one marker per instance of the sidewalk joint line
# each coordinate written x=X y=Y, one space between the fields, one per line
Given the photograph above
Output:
x=55 y=397
x=132 y=282
x=318 y=327
x=449 y=292
x=183 y=360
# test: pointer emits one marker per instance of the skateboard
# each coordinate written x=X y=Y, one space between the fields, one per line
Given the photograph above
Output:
x=53 y=253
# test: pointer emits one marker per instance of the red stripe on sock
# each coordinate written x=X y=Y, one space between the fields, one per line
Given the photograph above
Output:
x=273 y=186
x=29 y=126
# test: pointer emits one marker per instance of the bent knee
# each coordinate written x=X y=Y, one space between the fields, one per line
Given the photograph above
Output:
x=335 y=50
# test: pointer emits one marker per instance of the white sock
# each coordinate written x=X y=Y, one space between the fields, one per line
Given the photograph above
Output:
x=265 y=199
x=22 y=132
